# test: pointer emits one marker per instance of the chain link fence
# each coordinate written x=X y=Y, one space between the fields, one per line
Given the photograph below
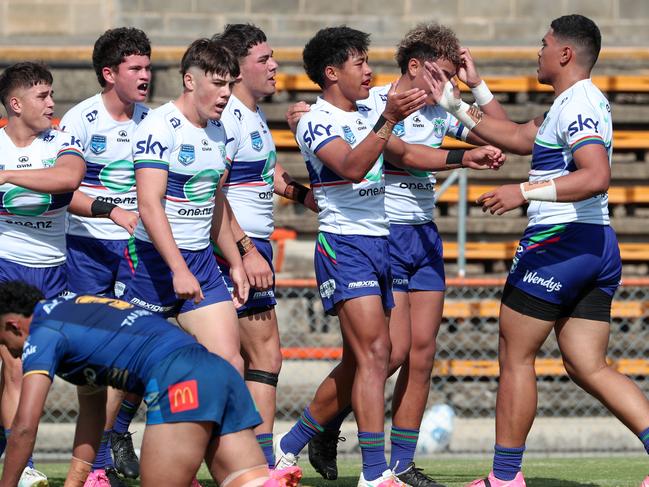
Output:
x=465 y=374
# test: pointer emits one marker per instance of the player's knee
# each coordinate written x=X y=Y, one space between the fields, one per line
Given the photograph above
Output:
x=583 y=374
x=236 y=361
x=269 y=360
x=261 y=376
x=376 y=355
x=398 y=357
x=247 y=477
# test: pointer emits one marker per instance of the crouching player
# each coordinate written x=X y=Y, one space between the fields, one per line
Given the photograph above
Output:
x=195 y=399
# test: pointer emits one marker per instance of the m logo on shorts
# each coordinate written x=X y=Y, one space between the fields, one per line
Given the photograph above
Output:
x=183 y=396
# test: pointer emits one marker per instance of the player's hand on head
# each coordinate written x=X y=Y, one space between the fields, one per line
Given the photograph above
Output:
x=484 y=157
x=125 y=219
x=501 y=200
x=186 y=286
x=445 y=92
x=241 y=286
x=400 y=105
x=257 y=270
x=467 y=71
x=295 y=112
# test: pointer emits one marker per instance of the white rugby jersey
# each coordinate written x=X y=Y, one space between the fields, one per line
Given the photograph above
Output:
x=410 y=193
x=579 y=116
x=250 y=184
x=345 y=207
x=109 y=163
x=195 y=159
x=32 y=225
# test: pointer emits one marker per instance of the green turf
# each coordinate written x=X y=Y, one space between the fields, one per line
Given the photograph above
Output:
x=539 y=472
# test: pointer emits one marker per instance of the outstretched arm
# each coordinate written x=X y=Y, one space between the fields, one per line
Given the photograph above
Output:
x=84 y=205
x=25 y=426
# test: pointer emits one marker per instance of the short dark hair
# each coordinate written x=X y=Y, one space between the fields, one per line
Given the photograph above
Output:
x=332 y=46
x=581 y=31
x=428 y=42
x=116 y=44
x=23 y=75
x=18 y=297
x=211 y=56
x=240 y=38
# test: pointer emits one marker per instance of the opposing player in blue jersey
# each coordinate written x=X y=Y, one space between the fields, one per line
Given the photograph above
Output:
x=249 y=186
x=196 y=401
x=39 y=170
x=343 y=147
x=104 y=125
x=418 y=278
x=567 y=265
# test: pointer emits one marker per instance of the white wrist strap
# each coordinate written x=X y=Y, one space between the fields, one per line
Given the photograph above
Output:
x=469 y=115
x=482 y=94
x=539 y=191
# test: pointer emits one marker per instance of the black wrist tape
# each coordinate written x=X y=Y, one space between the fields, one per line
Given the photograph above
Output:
x=101 y=208
x=455 y=156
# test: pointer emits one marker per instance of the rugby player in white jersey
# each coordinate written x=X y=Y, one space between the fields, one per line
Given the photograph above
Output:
x=567 y=266
x=343 y=149
x=416 y=258
x=104 y=124
x=39 y=170
x=249 y=185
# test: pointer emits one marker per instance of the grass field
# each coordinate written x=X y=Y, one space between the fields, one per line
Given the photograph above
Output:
x=539 y=472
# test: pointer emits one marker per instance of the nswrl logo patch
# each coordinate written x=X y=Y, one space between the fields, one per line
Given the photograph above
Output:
x=98 y=144
x=256 y=141
x=350 y=138
x=186 y=155
x=399 y=129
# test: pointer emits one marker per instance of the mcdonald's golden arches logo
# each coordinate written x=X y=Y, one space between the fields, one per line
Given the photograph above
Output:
x=183 y=396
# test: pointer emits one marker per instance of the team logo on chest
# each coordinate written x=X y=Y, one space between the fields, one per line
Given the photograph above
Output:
x=438 y=128
x=222 y=150
x=256 y=141
x=186 y=155
x=399 y=130
x=98 y=144
x=350 y=138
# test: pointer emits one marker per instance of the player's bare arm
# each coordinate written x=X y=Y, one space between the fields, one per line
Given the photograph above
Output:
x=592 y=177
x=64 y=177
x=151 y=185
x=287 y=187
x=25 y=426
x=509 y=136
x=84 y=205
x=223 y=236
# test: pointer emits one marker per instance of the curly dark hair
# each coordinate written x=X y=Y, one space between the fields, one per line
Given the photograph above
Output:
x=332 y=46
x=23 y=75
x=114 y=45
x=583 y=33
x=211 y=56
x=239 y=38
x=428 y=42
x=18 y=297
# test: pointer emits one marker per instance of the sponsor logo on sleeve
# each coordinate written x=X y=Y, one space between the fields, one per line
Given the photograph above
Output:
x=312 y=132
x=582 y=124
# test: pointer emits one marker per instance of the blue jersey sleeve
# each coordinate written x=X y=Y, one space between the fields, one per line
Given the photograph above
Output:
x=43 y=351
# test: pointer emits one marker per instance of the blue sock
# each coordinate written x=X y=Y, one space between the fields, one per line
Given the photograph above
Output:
x=3 y=440
x=336 y=423
x=373 y=454
x=403 y=442
x=507 y=462
x=644 y=438
x=265 y=441
x=103 y=458
x=30 y=461
x=300 y=434
x=124 y=417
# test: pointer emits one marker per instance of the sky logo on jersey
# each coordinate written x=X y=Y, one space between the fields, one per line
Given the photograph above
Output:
x=186 y=155
x=150 y=146
x=581 y=124
x=399 y=129
x=312 y=132
x=255 y=140
x=92 y=116
x=439 y=128
x=98 y=144
x=350 y=138
x=183 y=396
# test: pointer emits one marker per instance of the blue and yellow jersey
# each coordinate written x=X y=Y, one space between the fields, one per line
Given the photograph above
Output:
x=97 y=341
